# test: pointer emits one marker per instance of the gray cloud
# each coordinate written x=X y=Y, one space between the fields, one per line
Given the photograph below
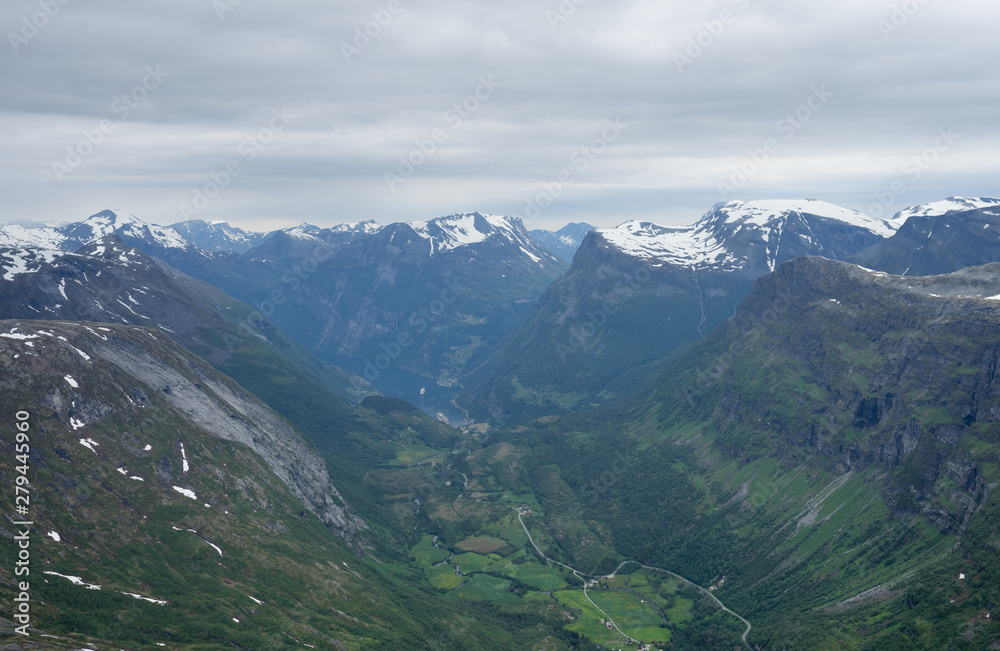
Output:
x=692 y=115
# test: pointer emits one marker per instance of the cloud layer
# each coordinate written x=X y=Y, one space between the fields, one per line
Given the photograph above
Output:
x=399 y=110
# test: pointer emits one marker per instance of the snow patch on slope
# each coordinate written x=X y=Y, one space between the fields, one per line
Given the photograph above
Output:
x=678 y=246
x=18 y=261
x=185 y=492
x=74 y=580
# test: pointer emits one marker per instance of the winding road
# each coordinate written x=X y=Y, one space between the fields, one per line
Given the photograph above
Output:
x=581 y=575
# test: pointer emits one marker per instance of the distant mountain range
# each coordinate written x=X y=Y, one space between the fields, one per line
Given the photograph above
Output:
x=431 y=298
x=638 y=293
x=565 y=241
x=472 y=305
x=218 y=236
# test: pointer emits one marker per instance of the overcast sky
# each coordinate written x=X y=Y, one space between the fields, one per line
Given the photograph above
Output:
x=644 y=108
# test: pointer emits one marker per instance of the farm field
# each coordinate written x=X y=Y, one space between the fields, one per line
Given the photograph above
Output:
x=589 y=623
x=471 y=562
x=634 y=615
x=426 y=554
x=413 y=455
x=485 y=588
x=538 y=576
x=497 y=564
x=481 y=544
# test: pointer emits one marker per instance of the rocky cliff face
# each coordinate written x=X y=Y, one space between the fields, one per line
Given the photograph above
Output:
x=863 y=368
x=90 y=378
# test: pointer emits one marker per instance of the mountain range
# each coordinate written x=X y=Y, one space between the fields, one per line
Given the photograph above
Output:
x=776 y=428
x=638 y=293
x=452 y=288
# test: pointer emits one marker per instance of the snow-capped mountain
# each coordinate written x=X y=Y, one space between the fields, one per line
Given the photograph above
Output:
x=126 y=226
x=638 y=293
x=218 y=236
x=464 y=229
x=41 y=237
x=106 y=281
x=133 y=231
x=15 y=261
x=739 y=235
x=367 y=227
x=452 y=286
x=938 y=238
x=951 y=204
x=564 y=242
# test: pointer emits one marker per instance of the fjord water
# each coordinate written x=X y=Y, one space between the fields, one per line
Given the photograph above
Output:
x=396 y=382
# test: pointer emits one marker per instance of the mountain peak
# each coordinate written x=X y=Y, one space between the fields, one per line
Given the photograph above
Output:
x=368 y=226
x=765 y=212
x=564 y=242
x=737 y=235
x=117 y=217
x=126 y=225
x=460 y=229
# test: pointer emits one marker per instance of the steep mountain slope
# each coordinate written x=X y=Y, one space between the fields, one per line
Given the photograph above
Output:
x=429 y=297
x=565 y=241
x=826 y=462
x=640 y=292
x=109 y=282
x=939 y=238
x=134 y=442
x=170 y=507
